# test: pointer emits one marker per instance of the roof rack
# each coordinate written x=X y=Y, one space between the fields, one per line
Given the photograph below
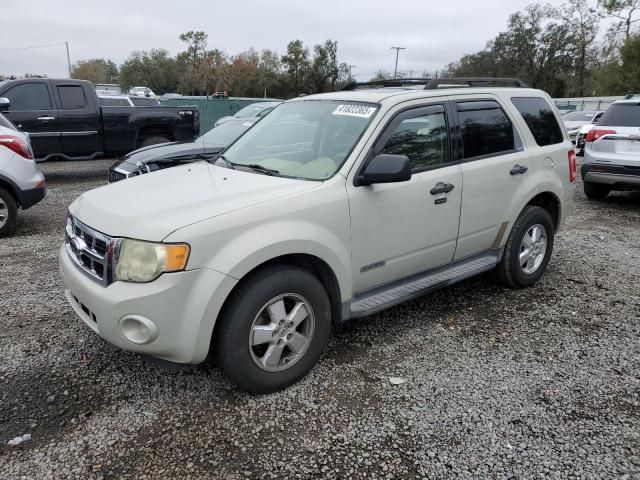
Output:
x=435 y=83
x=388 y=82
x=474 y=82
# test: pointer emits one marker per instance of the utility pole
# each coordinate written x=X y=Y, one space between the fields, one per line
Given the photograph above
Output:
x=397 y=49
x=68 y=58
x=351 y=67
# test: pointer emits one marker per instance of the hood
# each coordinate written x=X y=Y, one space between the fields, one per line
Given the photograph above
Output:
x=150 y=207
x=164 y=150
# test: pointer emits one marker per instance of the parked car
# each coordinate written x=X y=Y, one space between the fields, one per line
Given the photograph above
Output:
x=334 y=206
x=258 y=110
x=612 y=151
x=64 y=119
x=22 y=184
x=166 y=155
x=144 y=101
x=141 y=92
x=574 y=121
x=582 y=133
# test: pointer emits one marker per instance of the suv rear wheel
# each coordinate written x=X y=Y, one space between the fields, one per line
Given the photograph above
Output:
x=8 y=213
x=528 y=248
x=274 y=329
x=596 y=191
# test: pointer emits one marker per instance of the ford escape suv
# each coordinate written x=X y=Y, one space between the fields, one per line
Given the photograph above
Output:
x=612 y=151
x=334 y=206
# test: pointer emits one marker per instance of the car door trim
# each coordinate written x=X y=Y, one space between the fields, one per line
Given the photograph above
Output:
x=79 y=134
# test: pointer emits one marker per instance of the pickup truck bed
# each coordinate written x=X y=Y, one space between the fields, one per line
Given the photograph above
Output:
x=64 y=119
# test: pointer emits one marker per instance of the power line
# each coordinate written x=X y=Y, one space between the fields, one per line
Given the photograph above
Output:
x=29 y=48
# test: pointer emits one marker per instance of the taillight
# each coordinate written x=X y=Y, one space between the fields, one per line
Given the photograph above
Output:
x=596 y=133
x=18 y=145
x=572 y=165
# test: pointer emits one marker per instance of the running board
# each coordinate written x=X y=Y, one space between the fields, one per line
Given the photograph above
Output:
x=381 y=298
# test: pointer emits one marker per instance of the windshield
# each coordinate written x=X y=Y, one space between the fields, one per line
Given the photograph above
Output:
x=249 y=111
x=578 y=116
x=303 y=139
x=225 y=134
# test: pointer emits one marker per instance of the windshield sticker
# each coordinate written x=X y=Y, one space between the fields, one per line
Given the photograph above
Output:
x=361 y=111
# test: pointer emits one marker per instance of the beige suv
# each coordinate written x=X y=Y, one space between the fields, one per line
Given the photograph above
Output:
x=333 y=207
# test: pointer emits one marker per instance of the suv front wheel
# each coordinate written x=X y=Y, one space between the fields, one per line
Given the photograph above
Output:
x=274 y=329
x=528 y=249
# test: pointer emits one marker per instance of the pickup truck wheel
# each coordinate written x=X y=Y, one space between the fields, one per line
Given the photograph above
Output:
x=528 y=249
x=153 y=141
x=274 y=329
x=596 y=191
x=8 y=213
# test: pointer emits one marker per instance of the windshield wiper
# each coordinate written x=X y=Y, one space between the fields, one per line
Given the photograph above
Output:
x=261 y=169
x=227 y=163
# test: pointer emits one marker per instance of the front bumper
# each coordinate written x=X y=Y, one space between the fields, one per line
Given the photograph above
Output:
x=614 y=175
x=182 y=308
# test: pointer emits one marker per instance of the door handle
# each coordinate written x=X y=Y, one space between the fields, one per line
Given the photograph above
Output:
x=46 y=119
x=441 y=188
x=518 y=170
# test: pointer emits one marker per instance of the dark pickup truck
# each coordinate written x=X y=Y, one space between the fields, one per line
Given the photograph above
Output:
x=64 y=119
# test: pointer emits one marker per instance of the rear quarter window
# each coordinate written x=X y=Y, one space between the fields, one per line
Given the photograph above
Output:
x=621 y=115
x=540 y=118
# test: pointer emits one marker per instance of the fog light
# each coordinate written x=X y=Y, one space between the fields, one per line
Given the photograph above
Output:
x=138 y=329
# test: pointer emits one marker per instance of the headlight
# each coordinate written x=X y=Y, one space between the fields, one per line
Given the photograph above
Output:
x=145 y=261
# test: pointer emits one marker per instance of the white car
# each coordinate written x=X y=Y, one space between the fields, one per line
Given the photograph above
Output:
x=142 y=92
x=612 y=151
x=332 y=207
x=22 y=183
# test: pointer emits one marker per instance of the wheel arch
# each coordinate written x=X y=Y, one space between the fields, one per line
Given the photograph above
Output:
x=551 y=203
x=10 y=187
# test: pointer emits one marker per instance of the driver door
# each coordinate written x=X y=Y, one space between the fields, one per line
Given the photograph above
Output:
x=400 y=229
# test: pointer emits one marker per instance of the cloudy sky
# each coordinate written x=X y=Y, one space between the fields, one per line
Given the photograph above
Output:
x=434 y=33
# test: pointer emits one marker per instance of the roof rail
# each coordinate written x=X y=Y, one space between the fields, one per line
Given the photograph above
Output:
x=388 y=82
x=474 y=82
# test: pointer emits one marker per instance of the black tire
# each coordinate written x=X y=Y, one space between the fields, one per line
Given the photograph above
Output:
x=8 y=210
x=153 y=141
x=232 y=351
x=509 y=270
x=596 y=191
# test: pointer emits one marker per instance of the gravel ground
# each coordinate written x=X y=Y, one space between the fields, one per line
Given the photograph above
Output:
x=537 y=383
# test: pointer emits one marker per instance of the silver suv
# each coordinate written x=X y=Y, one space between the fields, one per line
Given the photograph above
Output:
x=612 y=151
x=332 y=207
x=21 y=182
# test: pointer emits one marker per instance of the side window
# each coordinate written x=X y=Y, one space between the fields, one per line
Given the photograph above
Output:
x=72 y=97
x=29 y=96
x=539 y=117
x=485 y=128
x=424 y=139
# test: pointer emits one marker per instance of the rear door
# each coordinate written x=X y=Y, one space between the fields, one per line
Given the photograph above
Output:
x=494 y=168
x=78 y=120
x=33 y=111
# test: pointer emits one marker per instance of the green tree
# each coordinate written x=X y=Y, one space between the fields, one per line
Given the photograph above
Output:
x=324 y=71
x=582 y=20
x=154 y=69
x=96 y=70
x=625 y=12
x=296 y=62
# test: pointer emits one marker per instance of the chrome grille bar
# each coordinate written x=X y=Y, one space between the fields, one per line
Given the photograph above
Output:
x=90 y=250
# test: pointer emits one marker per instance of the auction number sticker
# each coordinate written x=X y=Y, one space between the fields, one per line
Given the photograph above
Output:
x=362 y=111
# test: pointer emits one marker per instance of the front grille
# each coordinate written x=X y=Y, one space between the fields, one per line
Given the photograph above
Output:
x=89 y=250
x=116 y=176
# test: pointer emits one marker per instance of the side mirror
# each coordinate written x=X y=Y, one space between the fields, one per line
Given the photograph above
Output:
x=385 y=168
x=5 y=103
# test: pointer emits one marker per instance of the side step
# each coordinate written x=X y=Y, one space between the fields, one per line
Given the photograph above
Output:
x=386 y=296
